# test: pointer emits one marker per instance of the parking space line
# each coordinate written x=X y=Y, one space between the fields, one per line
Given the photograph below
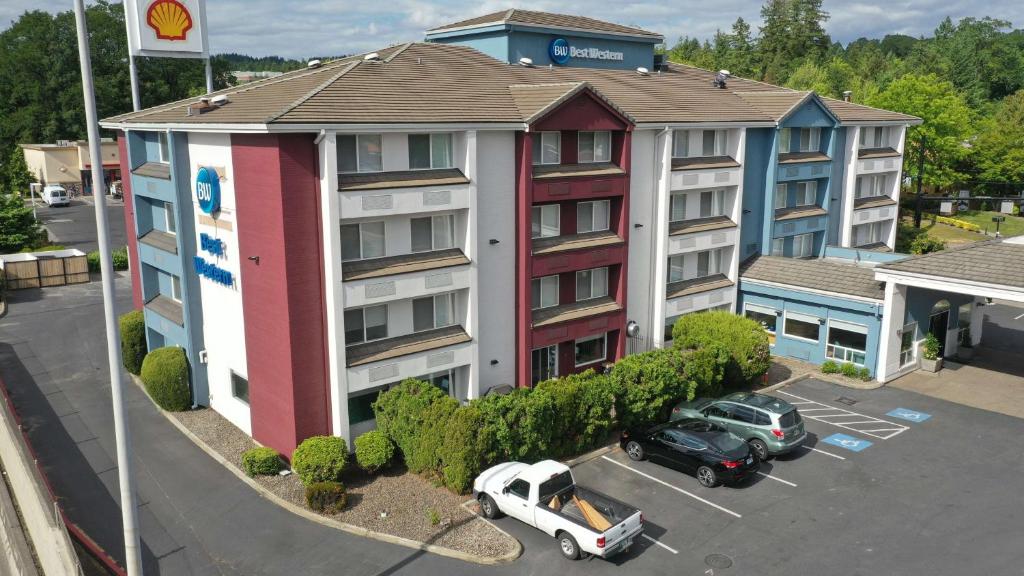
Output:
x=1019 y=317
x=825 y=453
x=676 y=488
x=835 y=412
x=670 y=549
x=777 y=479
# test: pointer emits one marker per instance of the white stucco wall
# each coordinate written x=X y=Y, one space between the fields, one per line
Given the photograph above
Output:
x=643 y=240
x=223 y=322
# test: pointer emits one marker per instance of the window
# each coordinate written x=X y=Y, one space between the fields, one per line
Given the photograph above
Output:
x=428 y=151
x=676 y=267
x=871 y=185
x=547 y=147
x=716 y=411
x=359 y=153
x=170 y=224
x=740 y=413
x=670 y=322
x=443 y=380
x=681 y=144
x=803 y=245
x=545 y=363
x=714 y=143
x=240 y=387
x=908 y=355
x=590 y=350
x=520 y=488
x=709 y=262
x=712 y=203
x=544 y=292
x=433 y=233
x=592 y=216
x=545 y=221
x=781 y=191
x=778 y=247
x=764 y=316
x=433 y=312
x=846 y=342
x=366 y=324
x=784 y=140
x=362 y=241
x=175 y=288
x=810 y=139
x=595 y=147
x=163 y=147
x=874 y=137
x=867 y=234
x=591 y=283
x=801 y=326
x=360 y=408
x=806 y=193
x=964 y=323
x=677 y=207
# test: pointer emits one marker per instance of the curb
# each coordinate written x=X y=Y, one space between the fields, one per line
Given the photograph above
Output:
x=593 y=454
x=336 y=524
x=871 y=385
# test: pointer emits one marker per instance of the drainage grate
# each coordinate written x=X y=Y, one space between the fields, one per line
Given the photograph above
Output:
x=845 y=400
x=718 y=561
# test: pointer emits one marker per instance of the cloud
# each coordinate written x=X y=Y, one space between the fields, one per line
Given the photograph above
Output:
x=335 y=27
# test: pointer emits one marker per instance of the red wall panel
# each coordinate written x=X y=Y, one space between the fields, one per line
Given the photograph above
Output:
x=129 y=222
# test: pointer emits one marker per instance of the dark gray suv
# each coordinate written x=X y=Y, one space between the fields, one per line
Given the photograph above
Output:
x=770 y=425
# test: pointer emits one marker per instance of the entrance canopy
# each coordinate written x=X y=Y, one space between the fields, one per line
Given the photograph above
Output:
x=993 y=269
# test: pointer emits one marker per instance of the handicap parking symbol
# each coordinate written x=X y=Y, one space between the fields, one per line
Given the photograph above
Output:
x=848 y=442
x=911 y=415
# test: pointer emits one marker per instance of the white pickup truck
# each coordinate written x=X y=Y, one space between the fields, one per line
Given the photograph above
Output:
x=545 y=496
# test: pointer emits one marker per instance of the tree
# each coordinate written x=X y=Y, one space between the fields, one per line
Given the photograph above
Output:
x=947 y=125
x=16 y=173
x=793 y=31
x=1000 y=146
x=18 y=228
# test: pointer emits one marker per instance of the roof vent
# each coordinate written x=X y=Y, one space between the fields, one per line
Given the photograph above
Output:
x=847 y=95
x=642 y=71
x=219 y=100
x=313 y=64
x=524 y=61
x=372 y=57
x=721 y=78
x=204 y=105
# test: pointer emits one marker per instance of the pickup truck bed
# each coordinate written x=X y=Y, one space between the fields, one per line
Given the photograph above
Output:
x=613 y=510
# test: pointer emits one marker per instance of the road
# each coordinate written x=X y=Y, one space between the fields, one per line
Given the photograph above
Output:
x=75 y=226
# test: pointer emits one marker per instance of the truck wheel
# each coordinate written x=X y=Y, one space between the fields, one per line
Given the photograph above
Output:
x=567 y=544
x=488 y=507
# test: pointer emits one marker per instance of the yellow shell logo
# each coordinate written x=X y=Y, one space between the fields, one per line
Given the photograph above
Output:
x=170 y=19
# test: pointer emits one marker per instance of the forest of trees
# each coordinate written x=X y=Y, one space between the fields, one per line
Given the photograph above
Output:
x=966 y=81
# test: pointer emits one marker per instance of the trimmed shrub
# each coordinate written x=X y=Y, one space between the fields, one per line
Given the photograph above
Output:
x=706 y=368
x=165 y=376
x=830 y=367
x=864 y=374
x=119 y=258
x=462 y=450
x=326 y=497
x=925 y=244
x=400 y=412
x=517 y=426
x=47 y=248
x=133 y=340
x=648 y=384
x=320 y=459
x=426 y=454
x=583 y=411
x=373 y=450
x=745 y=339
x=849 y=370
x=93 y=259
x=261 y=461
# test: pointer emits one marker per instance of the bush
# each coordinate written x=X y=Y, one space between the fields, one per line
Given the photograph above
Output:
x=47 y=248
x=462 y=450
x=320 y=459
x=931 y=347
x=326 y=497
x=133 y=340
x=647 y=385
x=261 y=461
x=583 y=411
x=119 y=258
x=925 y=244
x=517 y=426
x=705 y=368
x=373 y=450
x=849 y=370
x=830 y=367
x=426 y=454
x=400 y=412
x=864 y=374
x=165 y=376
x=745 y=339
x=93 y=258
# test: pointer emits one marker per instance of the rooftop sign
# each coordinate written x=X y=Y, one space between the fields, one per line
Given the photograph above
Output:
x=561 y=52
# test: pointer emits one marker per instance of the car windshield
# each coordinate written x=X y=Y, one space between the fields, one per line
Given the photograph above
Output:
x=725 y=442
x=790 y=419
x=554 y=485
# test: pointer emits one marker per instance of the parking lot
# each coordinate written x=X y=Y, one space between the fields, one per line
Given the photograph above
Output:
x=888 y=482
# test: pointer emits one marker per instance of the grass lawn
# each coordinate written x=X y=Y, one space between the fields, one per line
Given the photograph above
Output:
x=1012 y=226
x=952 y=235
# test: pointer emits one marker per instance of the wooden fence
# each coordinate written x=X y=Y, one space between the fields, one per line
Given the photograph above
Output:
x=42 y=269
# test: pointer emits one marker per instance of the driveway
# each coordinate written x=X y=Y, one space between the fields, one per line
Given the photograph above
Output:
x=74 y=226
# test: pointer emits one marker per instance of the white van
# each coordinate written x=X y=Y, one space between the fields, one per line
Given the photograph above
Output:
x=55 y=195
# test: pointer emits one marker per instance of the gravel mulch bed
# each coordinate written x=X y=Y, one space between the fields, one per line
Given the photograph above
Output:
x=394 y=501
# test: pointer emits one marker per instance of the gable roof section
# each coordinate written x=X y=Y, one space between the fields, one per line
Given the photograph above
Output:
x=993 y=262
x=779 y=104
x=814 y=274
x=851 y=112
x=546 y=20
x=535 y=101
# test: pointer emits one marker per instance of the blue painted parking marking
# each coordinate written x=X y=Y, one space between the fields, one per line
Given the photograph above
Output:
x=912 y=415
x=848 y=442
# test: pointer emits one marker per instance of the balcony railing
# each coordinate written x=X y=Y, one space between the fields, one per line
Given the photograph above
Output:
x=872 y=202
x=401 y=179
x=154 y=170
x=700 y=225
x=567 y=242
x=160 y=239
x=886 y=152
x=547 y=171
x=574 y=311
x=697 y=285
x=168 y=308
x=704 y=162
x=797 y=212
x=402 y=264
x=417 y=342
x=796 y=157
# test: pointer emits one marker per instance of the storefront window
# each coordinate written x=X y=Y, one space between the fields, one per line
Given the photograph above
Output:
x=847 y=342
x=764 y=316
x=801 y=326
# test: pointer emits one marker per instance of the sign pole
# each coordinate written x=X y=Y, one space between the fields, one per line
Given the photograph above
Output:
x=133 y=72
x=206 y=48
x=126 y=481
x=209 y=75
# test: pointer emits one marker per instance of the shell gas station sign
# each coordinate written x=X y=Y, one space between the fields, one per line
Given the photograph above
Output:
x=167 y=28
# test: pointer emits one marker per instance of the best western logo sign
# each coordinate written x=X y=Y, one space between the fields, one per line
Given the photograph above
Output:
x=561 y=51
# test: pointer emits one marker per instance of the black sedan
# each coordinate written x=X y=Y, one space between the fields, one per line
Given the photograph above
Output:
x=698 y=447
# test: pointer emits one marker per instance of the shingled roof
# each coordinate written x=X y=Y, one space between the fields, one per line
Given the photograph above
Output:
x=992 y=262
x=545 y=20
x=815 y=274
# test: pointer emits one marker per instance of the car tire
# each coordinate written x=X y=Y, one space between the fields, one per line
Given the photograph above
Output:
x=634 y=450
x=707 y=477
x=488 y=507
x=759 y=448
x=568 y=546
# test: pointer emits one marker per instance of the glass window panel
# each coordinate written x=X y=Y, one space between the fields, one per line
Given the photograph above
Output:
x=441 y=150
x=765 y=319
x=423 y=314
x=675 y=268
x=703 y=264
x=781 y=191
x=376 y=318
x=847 y=339
x=802 y=245
x=164 y=147
x=370 y=157
x=551 y=147
x=778 y=246
x=599 y=282
x=550 y=220
x=360 y=408
x=544 y=292
x=708 y=143
x=443 y=313
x=603 y=146
x=801 y=329
x=784 y=140
x=372 y=239
x=589 y=350
x=444 y=232
x=670 y=322
x=722 y=143
x=601 y=214
x=545 y=363
x=583 y=279
x=815 y=140
x=350 y=242
x=353 y=327
x=419 y=151
x=240 y=387
x=805 y=139
x=706 y=203
x=681 y=144
x=585 y=217
x=176 y=288
x=347 y=155
x=172 y=226
x=586 y=147
x=538 y=147
x=421 y=234
x=677 y=208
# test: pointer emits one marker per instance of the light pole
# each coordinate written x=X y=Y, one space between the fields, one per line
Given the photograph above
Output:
x=129 y=515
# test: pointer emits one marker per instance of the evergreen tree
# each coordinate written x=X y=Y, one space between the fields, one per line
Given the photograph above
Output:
x=18 y=228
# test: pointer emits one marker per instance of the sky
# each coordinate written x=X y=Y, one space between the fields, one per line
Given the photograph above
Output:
x=334 y=27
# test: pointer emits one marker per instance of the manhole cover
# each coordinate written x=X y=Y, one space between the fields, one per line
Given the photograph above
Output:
x=718 y=561
x=847 y=401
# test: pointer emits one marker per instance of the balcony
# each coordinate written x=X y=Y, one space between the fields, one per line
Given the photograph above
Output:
x=873 y=202
x=569 y=242
x=700 y=225
x=167 y=308
x=877 y=153
x=559 y=182
x=160 y=240
x=697 y=286
x=574 y=311
x=704 y=163
x=550 y=171
x=801 y=157
x=157 y=170
x=415 y=343
x=797 y=212
x=401 y=179
x=402 y=264
x=576 y=252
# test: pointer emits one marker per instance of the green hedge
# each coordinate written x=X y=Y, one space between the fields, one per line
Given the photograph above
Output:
x=261 y=461
x=648 y=384
x=320 y=459
x=133 y=340
x=373 y=450
x=326 y=497
x=400 y=412
x=745 y=339
x=118 y=257
x=583 y=411
x=462 y=451
x=165 y=376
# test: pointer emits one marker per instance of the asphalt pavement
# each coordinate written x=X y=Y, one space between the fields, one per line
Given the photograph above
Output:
x=74 y=226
